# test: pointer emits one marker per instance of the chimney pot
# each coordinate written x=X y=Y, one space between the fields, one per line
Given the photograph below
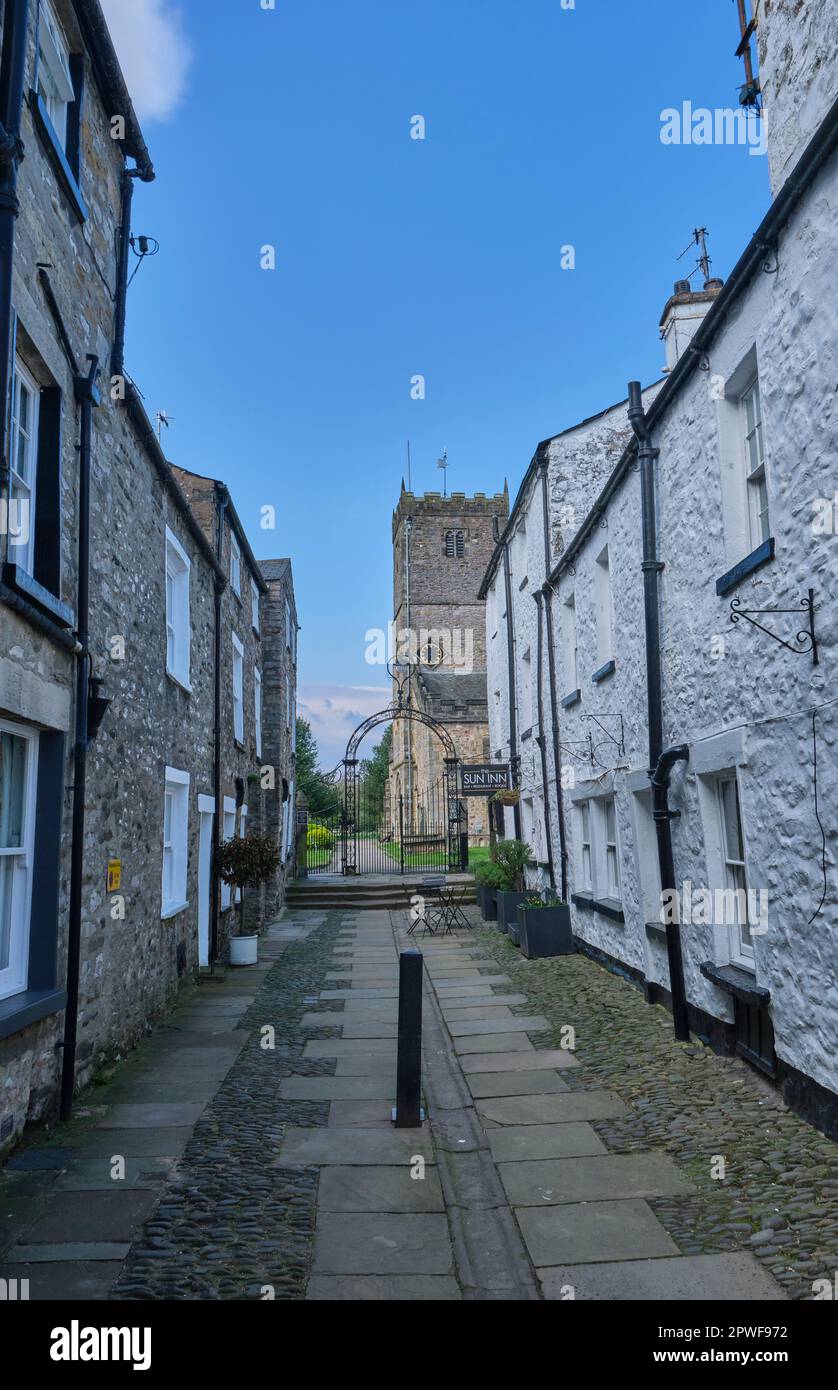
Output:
x=682 y=286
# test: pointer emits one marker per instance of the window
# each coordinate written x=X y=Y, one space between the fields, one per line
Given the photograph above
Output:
x=604 y=609
x=235 y=566
x=571 y=644
x=288 y=703
x=238 y=690
x=288 y=624
x=257 y=699
x=178 y=624
x=175 y=841
x=733 y=869
x=227 y=832
x=55 y=83
x=24 y=456
x=586 y=856
x=18 y=772
x=455 y=545
x=612 y=858
x=750 y=405
x=254 y=605
x=243 y=834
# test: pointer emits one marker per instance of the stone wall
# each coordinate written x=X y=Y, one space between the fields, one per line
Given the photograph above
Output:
x=797 y=43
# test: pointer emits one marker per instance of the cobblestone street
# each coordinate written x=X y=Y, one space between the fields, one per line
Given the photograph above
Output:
x=263 y=1164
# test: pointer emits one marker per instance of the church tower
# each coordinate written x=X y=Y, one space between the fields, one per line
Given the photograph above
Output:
x=441 y=551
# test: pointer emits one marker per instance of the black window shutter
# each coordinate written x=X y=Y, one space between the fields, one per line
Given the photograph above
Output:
x=48 y=495
x=74 y=115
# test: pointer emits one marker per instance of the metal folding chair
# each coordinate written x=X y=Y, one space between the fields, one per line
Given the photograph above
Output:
x=454 y=896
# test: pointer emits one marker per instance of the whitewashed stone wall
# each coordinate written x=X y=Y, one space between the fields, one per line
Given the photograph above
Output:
x=797 y=41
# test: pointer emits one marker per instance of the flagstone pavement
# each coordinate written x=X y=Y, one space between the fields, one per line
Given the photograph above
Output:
x=260 y=1159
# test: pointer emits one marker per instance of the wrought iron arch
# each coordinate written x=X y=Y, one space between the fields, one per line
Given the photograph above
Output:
x=401 y=709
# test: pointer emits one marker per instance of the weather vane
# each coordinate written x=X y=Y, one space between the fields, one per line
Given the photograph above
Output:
x=443 y=464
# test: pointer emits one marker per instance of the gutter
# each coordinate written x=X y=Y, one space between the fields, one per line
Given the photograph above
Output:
x=765 y=240
x=218 y=820
x=111 y=83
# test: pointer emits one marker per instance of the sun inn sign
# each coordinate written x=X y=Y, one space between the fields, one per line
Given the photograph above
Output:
x=486 y=778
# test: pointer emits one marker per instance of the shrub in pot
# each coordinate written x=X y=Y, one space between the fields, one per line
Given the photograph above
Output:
x=544 y=928
x=488 y=878
x=511 y=857
x=245 y=863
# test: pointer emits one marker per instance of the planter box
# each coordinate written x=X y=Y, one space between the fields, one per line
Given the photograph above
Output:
x=489 y=904
x=545 y=931
x=244 y=950
x=479 y=890
x=507 y=905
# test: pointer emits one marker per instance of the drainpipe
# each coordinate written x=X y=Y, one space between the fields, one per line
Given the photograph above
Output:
x=510 y=666
x=408 y=531
x=663 y=826
x=660 y=761
x=87 y=396
x=551 y=667
x=12 y=76
x=542 y=743
x=123 y=248
x=218 y=819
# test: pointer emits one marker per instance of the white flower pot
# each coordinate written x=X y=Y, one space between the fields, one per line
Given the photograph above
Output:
x=244 y=950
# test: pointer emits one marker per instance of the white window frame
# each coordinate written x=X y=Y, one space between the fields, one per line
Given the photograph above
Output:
x=228 y=830
x=55 y=84
x=288 y=636
x=235 y=566
x=734 y=869
x=178 y=613
x=175 y=838
x=238 y=689
x=14 y=978
x=288 y=821
x=257 y=709
x=752 y=436
x=254 y=606
x=571 y=643
x=586 y=848
x=23 y=489
x=611 y=862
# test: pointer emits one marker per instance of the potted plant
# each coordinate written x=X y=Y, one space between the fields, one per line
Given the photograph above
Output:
x=245 y=863
x=488 y=878
x=507 y=796
x=544 y=928
x=511 y=857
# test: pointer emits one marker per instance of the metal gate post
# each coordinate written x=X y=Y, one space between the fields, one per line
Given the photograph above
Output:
x=401 y=831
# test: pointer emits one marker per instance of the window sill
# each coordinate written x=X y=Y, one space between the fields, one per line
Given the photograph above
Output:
x=763 y=555
x=240 y=745
x=57 y=157
x=604 y=672
x=19 y=1011
x=656 y=932
x=177 y=680
x=172 y=910
x=736 y=981
x=525 y=735
x=523 y=584
x=572 y=699
x=607 y=907
x=23 y=583
x=257 y=632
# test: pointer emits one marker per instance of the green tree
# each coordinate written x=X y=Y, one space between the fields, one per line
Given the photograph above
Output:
x=375 y=772
x=323 y=798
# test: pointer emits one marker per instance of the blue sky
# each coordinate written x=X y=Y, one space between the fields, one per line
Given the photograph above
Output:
x=442 y=257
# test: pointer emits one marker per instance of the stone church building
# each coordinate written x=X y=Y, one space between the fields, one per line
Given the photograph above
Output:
x=441 y=547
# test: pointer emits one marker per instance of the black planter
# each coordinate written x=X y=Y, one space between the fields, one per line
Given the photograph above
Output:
x=489 y=905
x=545 y=931
x=507 y=904
x=478 y=896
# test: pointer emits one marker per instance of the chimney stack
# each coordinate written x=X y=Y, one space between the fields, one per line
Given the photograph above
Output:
x=683 y=316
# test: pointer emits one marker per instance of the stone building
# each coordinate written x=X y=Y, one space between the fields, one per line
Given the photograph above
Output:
x=107 y=600
x=657 y=666
x=441 y=546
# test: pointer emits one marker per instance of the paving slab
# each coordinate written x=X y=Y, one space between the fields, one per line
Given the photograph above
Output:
x=519 y=1143
x=530 y=1023
x=348 y=1047
x=367 y=1064
x=370 y=1028
x=376 y=1243
x=93 y=1174
x=585 y=1232
x=537 y=1060
x=398 y=1288
x=494 y=1042
x=337 y=1088
x=360 y=992
x=349 y=1189
x=140 y=1116
x=723 y=1278
x=476 y=1001
x=76 y=1217
x=326 y=1145
x=165 y=1142
x=365 y=1113
x=484 y=1013
x=69 y=1252
x=515 y=1083
x=551 y=1109
x=548 y=1182
x=481 y=982
x=53 y=1282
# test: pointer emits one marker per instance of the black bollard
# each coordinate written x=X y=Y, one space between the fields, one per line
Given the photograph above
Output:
x=408 y=1112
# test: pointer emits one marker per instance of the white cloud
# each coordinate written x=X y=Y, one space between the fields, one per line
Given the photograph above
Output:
x=334 y=711
x=153 y=51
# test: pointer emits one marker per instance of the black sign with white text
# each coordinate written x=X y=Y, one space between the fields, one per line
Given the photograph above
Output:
x=485 y=778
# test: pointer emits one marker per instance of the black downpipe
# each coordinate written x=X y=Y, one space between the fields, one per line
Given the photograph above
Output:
x=663 y=826
x=542 y=743
x=557 y=746
x=123 y=250
x=510 y=661
x=87 y=397
x=12 y=75
x=218 y=821
x=660 y=761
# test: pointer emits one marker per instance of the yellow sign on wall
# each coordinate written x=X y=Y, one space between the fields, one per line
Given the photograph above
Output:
x=114 y=875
